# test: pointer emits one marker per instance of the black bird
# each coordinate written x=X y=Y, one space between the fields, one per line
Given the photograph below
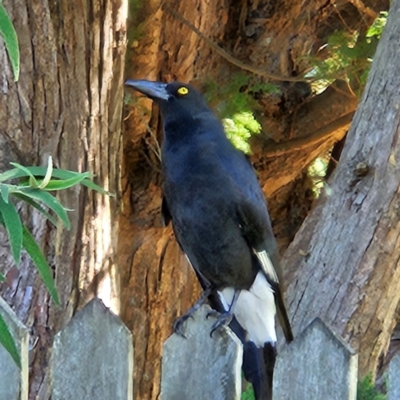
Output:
x=221 y=222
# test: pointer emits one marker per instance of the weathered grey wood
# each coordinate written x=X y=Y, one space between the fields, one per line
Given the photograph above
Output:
x=14 y=381
x=343 y=264
x=93 y=357
x=316 y=365
x=201 y=367
x=394 y=378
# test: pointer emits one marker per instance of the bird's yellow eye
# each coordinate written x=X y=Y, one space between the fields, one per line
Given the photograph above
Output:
x=183 y=90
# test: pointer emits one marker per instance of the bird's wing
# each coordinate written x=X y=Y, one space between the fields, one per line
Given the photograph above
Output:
x=256 y=228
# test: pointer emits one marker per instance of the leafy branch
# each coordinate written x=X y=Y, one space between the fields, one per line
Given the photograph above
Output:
x=33 y=186
x=347 y=56
x=10 y=38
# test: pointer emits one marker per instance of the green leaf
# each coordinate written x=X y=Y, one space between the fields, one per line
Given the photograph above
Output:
x=91 y=185
x=38 y=207
x=47 y=199
x=38 y=258
x=2 y=277
x=366 y=389
x=7 y=341
x=57 y=173
x=27 y=172
x=10 y=40
x=13 y=226
x=13 y=174
x=4 y=192
x=47 y=177
x=60 y=184
x=21 y=172
x=248 y=394
x=7 y=175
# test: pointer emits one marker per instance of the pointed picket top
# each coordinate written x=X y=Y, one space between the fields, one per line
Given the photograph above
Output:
x=316 y=365
x=200 y=366
x=13 y=380
x=93 y=357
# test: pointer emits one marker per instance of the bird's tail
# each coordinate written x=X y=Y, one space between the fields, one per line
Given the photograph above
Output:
x=258 y=364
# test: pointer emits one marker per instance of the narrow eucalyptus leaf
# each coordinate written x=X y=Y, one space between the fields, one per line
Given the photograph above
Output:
x=4 y=189
x=60 y=184
x=26 y=172
x=38 y=207
x=10 y=38
x=8 y=342
x=47 y=177
x=13 y=226
x=48 y=200
x=34 y=251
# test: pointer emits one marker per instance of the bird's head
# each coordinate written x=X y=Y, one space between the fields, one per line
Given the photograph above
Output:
x=174 y=98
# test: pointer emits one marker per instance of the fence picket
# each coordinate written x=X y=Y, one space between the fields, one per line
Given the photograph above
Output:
x=93 y=357
x=394 y=378
x=199 y=366
x=316 y=365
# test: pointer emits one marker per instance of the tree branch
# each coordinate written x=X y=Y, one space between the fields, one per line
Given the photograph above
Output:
x=297 y=144
x=228 y=57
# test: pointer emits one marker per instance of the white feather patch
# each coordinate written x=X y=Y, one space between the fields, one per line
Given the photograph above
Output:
x=266 y=265
x=255 y=310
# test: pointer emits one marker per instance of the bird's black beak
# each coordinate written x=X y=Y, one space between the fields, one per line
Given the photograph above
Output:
x=154 y=90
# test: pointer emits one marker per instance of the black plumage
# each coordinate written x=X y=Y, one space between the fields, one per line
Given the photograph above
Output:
x=220 y=220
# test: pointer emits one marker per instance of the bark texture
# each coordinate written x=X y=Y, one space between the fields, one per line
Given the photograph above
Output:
x=67 y=104
x=344 y=262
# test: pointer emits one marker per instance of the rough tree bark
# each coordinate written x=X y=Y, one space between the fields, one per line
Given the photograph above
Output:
x=344 y=262
x=67 y=104
x=274 y=38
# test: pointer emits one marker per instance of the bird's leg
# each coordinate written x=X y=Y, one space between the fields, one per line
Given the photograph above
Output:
x=225 y=318
x=178 y=324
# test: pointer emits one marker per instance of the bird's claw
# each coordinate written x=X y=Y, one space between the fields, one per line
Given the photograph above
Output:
x=178 y=325
x=223 y=320
x=213 y=313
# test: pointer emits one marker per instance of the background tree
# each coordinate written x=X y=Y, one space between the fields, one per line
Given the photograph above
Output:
x=254 y=55
x=348 y=247
x=67 y=104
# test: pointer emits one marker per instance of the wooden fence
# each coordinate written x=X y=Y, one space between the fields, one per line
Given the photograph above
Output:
x=92 y=359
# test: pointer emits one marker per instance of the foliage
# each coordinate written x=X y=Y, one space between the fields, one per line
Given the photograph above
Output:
x=239 y=129
x=32 y=185
x=349 y=57
x=377 y=26
x=7 y=341
x=10 y=38
x=238 y=102
x=366 y=390
x=136 y=29
x=248 y=394
x=238 y=93
x=317 y=171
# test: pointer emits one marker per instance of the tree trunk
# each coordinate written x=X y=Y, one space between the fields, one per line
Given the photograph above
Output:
x=343 y=264
x=67 y=104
